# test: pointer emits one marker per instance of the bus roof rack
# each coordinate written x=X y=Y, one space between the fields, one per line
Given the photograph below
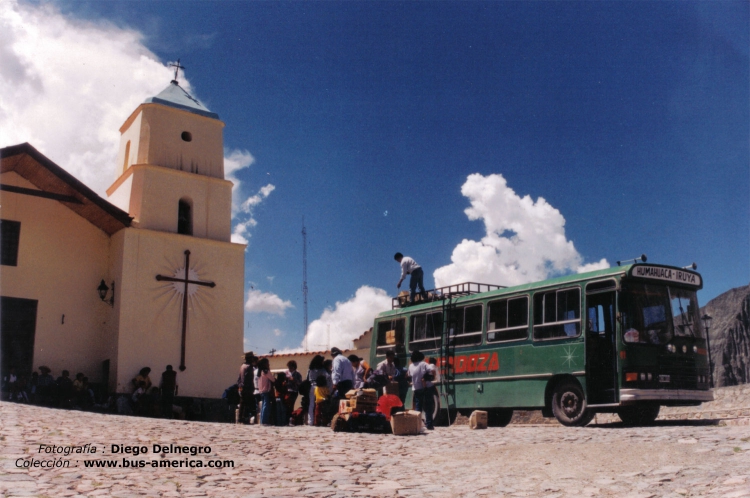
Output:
x=456 y=290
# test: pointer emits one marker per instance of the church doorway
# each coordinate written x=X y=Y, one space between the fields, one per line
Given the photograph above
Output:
x=17 y=328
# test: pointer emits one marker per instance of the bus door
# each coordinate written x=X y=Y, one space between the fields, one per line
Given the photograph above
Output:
x=601 y=350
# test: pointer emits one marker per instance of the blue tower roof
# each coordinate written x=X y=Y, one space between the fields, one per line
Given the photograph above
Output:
x=175 y=96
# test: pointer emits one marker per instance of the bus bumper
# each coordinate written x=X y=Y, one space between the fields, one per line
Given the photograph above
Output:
x=632 y=395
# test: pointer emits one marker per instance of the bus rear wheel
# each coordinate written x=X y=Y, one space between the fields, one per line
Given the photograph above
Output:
x=643 y=414
x=499 y=417
x=442 y=416
x=569 y=404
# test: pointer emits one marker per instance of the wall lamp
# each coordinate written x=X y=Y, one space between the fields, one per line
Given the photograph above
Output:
x=103 y=290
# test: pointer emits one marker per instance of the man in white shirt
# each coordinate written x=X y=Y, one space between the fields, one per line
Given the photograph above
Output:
x=410 y=267
x=422 y=395
x=343 y=374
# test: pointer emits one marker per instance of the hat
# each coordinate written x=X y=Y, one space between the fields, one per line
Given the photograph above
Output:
x=335 y=351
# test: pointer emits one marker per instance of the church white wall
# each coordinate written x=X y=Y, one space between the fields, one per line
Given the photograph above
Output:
x=150 y=312
x=61 y=260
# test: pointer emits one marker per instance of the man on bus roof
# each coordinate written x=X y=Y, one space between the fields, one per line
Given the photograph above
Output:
x=410 y=267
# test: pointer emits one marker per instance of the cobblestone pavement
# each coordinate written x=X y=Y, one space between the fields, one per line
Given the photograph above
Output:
x=672 y=459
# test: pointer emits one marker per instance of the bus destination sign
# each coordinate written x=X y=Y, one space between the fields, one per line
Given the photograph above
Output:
x=668 y=274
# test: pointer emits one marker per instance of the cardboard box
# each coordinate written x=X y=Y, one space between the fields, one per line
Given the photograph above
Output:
x=478 y=420
x=390 y=337
x=391 y=388
x=360 y=405
x=344 y=406
x=406 y=423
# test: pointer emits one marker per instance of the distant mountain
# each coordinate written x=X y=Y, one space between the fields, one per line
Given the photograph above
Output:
x=730 y=336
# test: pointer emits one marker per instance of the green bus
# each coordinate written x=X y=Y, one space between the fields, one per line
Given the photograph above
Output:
x=626 y=340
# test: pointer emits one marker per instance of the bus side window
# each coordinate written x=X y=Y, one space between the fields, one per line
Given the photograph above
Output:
x=426 y=331
x=508 y=319
x=468 y=326
x=390 y=336
x=557 y=314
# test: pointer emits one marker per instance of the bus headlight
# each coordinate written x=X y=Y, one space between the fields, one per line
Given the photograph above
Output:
x=695 y=349
x=671 y=348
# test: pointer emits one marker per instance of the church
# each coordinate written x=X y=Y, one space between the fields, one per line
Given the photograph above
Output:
x=146 y=278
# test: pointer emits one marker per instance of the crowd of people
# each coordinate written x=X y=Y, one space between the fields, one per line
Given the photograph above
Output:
x=259 y=395
x=268 y=399
x=41 y=388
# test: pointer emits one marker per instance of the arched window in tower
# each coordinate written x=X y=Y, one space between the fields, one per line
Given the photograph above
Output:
x=126 y=161
x=185 y=216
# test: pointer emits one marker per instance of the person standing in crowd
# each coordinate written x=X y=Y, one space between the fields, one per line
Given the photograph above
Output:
x=342 y=375
x=65 y=390
x=431 y=380
x=45 y=386
x=246 y=388
x=387 y=367
x=10 y=384
x=256 y=392
x=293 y=382
x=168 y=390
x=322 y=398
x=419 y=373
x=265 y=387
x=410 y=267
x=280 y=386
x=314 y=371
x=359 y=371
x=328 y=366
x=143 y=376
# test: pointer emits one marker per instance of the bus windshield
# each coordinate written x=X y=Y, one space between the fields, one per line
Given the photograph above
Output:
x=655 y=314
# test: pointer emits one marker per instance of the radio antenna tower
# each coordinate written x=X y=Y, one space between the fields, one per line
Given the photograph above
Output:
x=304 y=275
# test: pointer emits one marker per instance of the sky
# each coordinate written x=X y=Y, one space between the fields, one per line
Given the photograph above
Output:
x=494 y=142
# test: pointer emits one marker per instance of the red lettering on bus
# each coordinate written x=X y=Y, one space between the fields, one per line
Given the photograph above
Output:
x=472 y=366
x=460 y=364
x=494 y=363
x=482 y=365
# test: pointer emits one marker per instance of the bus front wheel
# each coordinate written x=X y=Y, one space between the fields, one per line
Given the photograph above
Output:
x=643 y=414
x=569 y=404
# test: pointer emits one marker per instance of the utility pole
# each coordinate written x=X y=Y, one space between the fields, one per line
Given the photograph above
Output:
x=304 y=275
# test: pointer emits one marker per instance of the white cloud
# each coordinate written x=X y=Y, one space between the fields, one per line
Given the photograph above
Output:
x=66 y=87
x=602 y=264
x=234 y=161
x=244 y=216
x=266 y=302
x=524 y=239
x=347 y=320
x=277 y=332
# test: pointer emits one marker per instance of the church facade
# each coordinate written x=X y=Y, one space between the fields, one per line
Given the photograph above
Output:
x=148 y=277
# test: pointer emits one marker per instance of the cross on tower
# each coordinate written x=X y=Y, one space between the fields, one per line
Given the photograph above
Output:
x=184 y=280
x=177 y=68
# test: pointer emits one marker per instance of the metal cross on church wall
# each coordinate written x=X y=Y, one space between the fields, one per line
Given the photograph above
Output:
x=186 y=281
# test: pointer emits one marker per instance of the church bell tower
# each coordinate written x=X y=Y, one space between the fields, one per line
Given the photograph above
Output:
x=180 y=279
x=170 y=167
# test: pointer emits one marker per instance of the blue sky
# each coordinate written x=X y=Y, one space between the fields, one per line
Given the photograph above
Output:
x=631 y=119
